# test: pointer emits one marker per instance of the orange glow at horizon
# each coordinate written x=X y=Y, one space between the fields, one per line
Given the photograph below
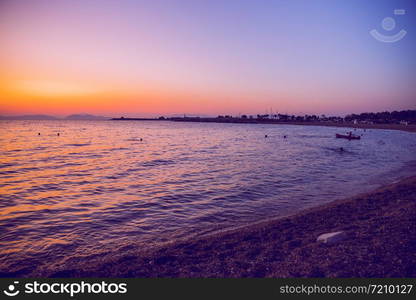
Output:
x=30 y=89
x=136 y=58
x=66 y=97
x=50 y=89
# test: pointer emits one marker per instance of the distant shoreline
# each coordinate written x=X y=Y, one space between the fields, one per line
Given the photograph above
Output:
x=385 y=126
x=408 y=128
x=379 y=228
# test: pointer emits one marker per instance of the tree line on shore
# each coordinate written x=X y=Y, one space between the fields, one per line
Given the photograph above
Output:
x=395 y=117
x=385 y=117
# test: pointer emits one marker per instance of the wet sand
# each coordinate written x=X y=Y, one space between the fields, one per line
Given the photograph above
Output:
x=380 y=242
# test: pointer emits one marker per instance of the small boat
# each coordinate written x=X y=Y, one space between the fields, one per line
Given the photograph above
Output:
x=347 y=136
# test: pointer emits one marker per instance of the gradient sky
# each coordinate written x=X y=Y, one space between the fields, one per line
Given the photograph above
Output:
x=140 y=58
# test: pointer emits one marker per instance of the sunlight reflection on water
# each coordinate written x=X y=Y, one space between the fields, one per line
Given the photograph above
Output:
x=98 y=184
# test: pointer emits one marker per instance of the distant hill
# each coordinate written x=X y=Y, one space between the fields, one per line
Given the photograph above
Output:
x=85 y=117
x=47 y=117
x=28 y=117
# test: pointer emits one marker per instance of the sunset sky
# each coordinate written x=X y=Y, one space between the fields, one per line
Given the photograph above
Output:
x=143 y=58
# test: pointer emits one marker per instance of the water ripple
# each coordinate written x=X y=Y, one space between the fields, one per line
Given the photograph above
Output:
x=102 y=186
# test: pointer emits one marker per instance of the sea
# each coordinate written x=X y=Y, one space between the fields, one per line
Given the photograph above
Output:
x=106 y=185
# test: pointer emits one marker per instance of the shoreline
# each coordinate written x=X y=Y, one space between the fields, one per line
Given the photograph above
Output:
x=407 y=128
x=379 y=226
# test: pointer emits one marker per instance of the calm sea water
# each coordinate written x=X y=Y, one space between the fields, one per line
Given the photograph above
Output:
x=98 y=186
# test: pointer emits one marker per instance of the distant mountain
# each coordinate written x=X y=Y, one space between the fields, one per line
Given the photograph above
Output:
x=28 y=117
x=46 y=117
x=85 y=117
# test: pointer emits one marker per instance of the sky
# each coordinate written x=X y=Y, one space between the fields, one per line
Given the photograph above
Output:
x=150 y=58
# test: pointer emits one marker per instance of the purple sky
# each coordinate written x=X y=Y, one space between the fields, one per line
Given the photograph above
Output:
x=204 y=57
